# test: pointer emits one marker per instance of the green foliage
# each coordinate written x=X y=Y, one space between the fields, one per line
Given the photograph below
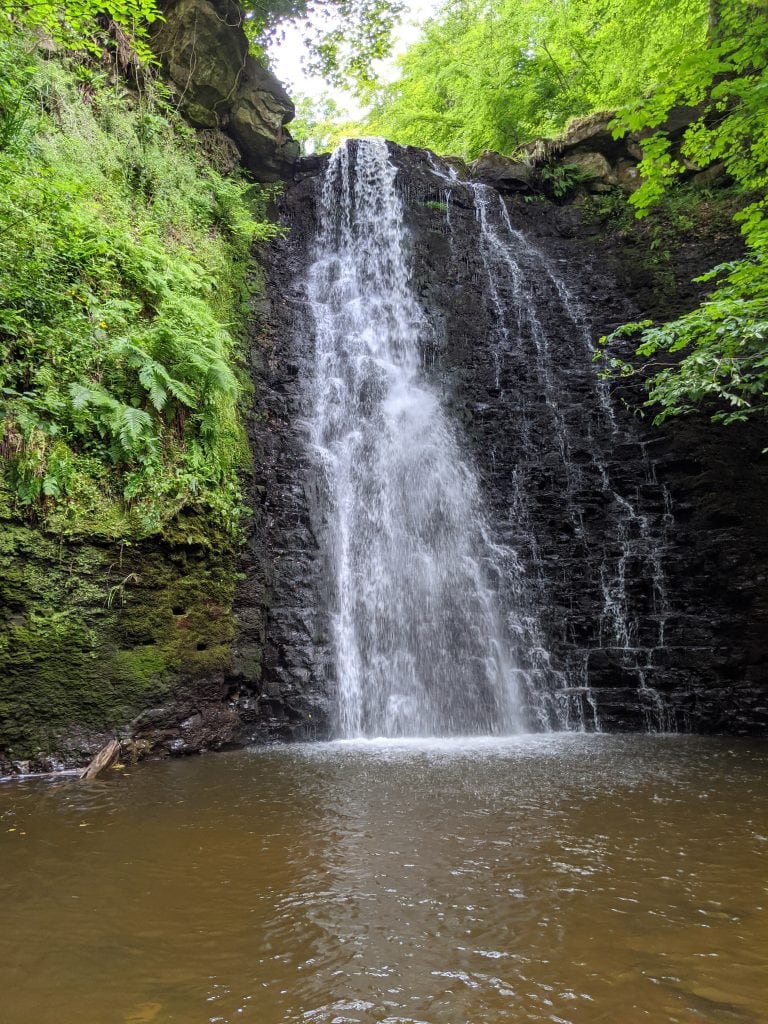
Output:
x=320 y=124
x=343 y=37
x=492 y=76
x=721 y=348
x=123 y=261
x=725 y=83
x=719 y=351
x=685 y=213
x=559 y=180
x=81 y=24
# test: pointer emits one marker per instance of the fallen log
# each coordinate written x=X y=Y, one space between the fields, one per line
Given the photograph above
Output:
x=105 y=758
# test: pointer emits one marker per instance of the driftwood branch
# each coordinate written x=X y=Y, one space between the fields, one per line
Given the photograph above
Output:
x=105 y=758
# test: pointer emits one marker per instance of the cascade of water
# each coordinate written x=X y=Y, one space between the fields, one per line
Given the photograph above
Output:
x=548 y=694
x=422 y=646
x=634 y=534
x=512 y=265
x=558 y=701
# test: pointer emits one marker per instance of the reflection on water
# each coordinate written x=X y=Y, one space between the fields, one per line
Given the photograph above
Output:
x=567 y=879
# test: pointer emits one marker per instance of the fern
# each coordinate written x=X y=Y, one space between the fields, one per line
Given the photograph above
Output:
x=129 y=431
x=117 y=345
x=221 y=379
x=134 y=428
x=150 y=378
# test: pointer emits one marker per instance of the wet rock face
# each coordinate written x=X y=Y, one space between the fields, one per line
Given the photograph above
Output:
x=280 y=602
x=219 y=86
x=644 y=551
x=504 y=173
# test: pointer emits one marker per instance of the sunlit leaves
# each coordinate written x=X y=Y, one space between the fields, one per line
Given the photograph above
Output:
x=719 y=351
x=721 y=348
x=491 y=76
x=343 y=37
x=79 y=24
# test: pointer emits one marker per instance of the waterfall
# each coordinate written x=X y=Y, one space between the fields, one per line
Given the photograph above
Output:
x=422 y=645
x=466 y=596
x=506 y=249
x=513 y=272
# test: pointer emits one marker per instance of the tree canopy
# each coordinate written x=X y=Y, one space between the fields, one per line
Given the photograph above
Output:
x=493 y=75
x=343 y=37
x=720 y=349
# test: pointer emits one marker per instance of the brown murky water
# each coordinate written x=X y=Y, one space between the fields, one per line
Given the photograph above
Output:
x=571 y=879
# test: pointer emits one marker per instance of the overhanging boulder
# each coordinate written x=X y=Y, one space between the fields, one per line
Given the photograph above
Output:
x=218 y=85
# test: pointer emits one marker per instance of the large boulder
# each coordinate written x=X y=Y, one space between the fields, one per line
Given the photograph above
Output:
x=203 y=49
x=259 y=111
x=458 y=165
x=589 y=143
x=219 y=86
x=593 y=166
x=503 y=172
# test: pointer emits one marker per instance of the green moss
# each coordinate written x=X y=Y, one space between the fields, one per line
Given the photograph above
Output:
x=92 y=634
x=140 y=665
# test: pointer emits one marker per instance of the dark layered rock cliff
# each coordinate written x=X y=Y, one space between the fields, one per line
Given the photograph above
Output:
x=666 y=522
x=178 y=646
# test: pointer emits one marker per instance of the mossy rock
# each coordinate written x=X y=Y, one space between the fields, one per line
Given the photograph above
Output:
x=91 y=635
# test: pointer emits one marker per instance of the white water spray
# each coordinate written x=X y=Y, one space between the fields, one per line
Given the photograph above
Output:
x=421 y=645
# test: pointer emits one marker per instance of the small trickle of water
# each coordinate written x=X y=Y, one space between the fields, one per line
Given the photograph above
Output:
x=421 y=645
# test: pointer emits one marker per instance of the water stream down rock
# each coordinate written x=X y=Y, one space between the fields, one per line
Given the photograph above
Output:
x=471 y=534
x=421 y=647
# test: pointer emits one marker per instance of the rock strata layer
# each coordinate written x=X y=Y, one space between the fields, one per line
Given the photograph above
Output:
x=590 y=153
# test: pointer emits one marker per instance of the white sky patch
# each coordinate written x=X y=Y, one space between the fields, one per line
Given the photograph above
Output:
x=290 y=53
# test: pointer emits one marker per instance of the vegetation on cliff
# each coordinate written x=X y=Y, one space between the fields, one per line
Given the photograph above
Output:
x=81 y=24
x=125 y=272
x=719 y=351
x=124 y=257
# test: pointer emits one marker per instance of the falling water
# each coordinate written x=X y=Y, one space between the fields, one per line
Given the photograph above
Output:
x=511 y=264
x=421 y=644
